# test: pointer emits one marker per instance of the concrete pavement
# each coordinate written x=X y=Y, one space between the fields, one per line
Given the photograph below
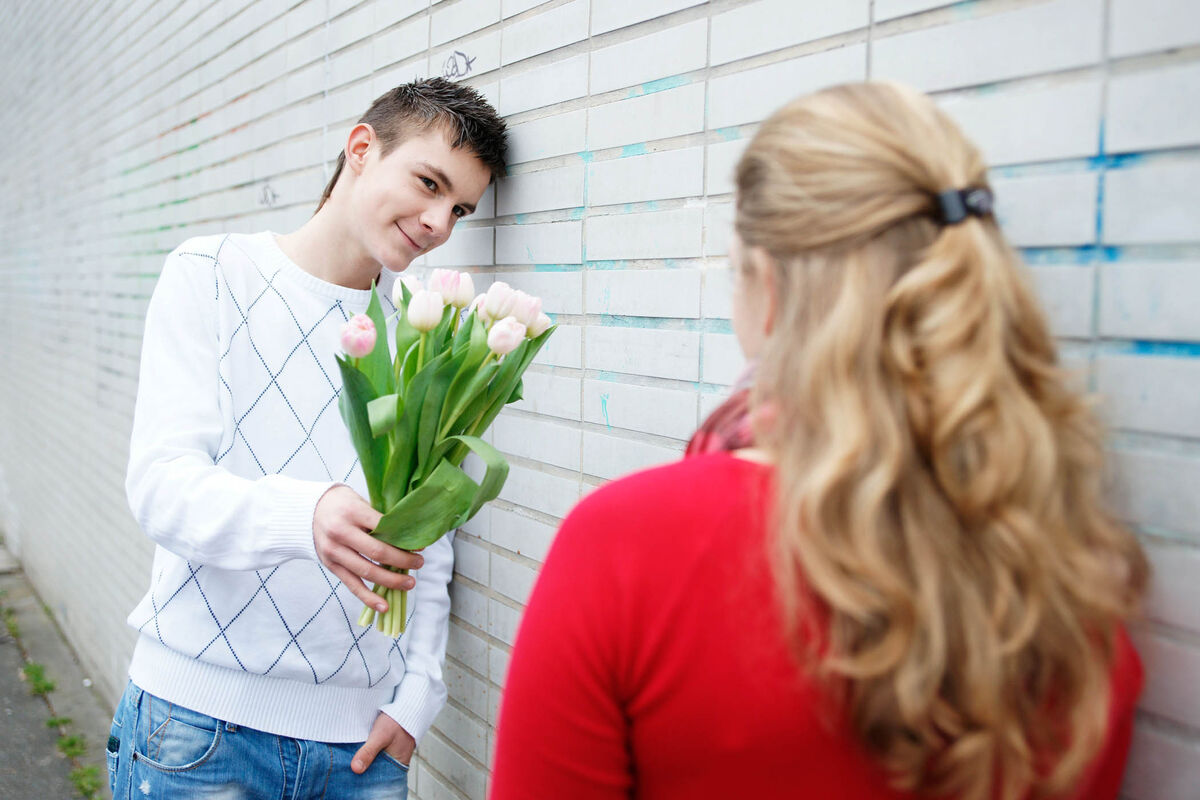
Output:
x=31 y=765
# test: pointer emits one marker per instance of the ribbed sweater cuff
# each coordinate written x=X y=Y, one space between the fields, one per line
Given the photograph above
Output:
x=416 y=704
x=290 y=526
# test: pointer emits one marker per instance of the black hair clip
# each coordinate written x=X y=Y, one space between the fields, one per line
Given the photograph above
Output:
x=956 y=205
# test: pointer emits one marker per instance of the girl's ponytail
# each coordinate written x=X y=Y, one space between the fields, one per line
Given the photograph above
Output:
x=939 y=483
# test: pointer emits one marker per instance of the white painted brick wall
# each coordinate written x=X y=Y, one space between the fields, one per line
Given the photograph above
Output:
x=627 y=119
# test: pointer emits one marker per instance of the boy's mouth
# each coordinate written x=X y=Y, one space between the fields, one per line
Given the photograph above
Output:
x=413 y=244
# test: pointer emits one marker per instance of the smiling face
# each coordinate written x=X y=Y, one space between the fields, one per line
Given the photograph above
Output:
x=406 y=203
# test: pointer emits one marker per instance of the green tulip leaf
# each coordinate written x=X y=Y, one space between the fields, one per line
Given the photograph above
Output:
x=469 y=380
x=437 y=336
x=383 y=413
x=466 y=400
x=377 y=365
x=406 y=338
x=356 y=393
x=400 y=464
x=505 y=384
x=430 y=510
x=444 y=368
x=462 y=339
x=495 y=473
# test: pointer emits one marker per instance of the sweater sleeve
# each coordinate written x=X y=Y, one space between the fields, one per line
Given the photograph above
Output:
x=562 y=730
x=422 y=691
x=181 y=498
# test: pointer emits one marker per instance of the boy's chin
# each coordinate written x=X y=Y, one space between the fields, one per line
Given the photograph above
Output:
x=395 y=260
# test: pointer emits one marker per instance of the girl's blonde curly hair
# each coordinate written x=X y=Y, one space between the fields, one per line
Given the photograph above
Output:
x=939 y=481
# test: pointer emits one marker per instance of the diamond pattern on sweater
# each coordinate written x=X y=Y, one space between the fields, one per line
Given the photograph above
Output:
x=258 y=364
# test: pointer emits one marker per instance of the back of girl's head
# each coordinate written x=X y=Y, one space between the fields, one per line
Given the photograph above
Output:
x=939 y=481
x=410 y=109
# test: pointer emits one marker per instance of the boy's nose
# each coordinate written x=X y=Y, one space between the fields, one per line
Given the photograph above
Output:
x=437 y=224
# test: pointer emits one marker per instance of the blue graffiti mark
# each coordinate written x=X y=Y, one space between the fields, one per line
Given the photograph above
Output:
x=529 y=251
x=1095 y=163
x=729 y=134
x=577 y=213
x=1175 y=349
x=718 y=326
x=1100 y=193
x=678 y=324
x=604 y=408
x=660 y=85
x=1115 y=160
x=638 y=149
x=964 y=9
x=522 y=219
x=1083 y=255
x=587 y=156
x=557 y=267
x=605 y=264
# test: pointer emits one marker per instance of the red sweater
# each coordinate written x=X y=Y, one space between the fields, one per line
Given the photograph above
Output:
x=650 y=661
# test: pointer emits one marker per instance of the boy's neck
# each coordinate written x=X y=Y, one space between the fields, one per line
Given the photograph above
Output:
x=324 y=249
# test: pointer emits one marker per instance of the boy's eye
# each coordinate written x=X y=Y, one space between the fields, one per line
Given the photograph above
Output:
x=460 y=212
x=429 y=184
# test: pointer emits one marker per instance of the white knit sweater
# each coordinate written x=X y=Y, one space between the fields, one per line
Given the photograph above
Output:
x=236 y=436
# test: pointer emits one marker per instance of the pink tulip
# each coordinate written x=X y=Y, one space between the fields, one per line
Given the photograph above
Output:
x=477 y=305
x=526 y=308
x=456 y=287
x=505 y=335
x=413 y=285
x=358 y=336
x=425 y=310
x=500 y=300
x=539 y=326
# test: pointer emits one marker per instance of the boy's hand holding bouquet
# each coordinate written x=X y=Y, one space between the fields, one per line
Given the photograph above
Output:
x=413 y=418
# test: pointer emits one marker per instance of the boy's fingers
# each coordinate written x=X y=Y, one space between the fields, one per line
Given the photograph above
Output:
x=366 y=754
x=384 y=553
x=372 y=573
x=360 y=590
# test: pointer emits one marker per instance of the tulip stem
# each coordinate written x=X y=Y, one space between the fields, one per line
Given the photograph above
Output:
x=421 y=352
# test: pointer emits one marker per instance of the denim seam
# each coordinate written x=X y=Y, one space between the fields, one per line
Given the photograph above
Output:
x=328 y=770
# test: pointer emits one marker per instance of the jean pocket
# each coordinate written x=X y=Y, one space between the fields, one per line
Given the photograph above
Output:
x=112 y=754
x=395 y=761
x=175 y=739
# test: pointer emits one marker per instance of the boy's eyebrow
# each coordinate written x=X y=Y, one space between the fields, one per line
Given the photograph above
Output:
x=445 y=181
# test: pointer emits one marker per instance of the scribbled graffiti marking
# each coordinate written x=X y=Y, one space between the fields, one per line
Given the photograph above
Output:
x=458 y=65
x=267 y=196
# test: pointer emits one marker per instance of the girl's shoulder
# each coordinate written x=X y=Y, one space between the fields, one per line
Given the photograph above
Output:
x=690 y=490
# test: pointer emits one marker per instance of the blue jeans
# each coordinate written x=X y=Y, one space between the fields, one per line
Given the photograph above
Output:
x=158 y=750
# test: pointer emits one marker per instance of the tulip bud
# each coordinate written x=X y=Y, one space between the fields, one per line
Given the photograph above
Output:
x=500 y=300
x=505 y=335
x=455 y=287
x=466 y=290
x=477 y=306
x=539 y=326
x=425 y=310
x=526 y=308
x=358 y=336
x=413 y=285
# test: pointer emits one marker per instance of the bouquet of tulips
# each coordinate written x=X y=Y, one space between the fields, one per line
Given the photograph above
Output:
x=414 y=417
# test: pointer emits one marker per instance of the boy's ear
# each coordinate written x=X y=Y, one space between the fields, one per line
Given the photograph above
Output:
x=358 y=144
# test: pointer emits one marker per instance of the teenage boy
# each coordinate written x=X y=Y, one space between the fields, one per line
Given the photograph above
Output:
x=250 y=675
